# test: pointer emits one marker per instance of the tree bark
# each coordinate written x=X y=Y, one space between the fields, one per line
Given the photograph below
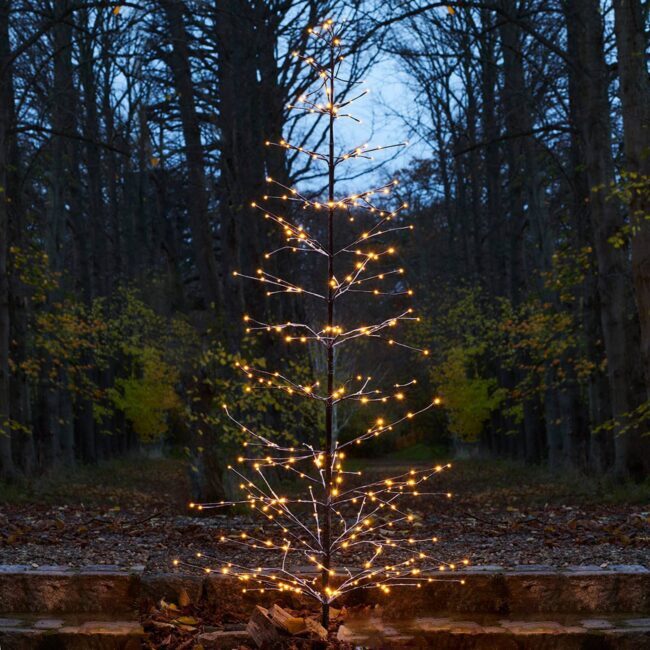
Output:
x=618 y=315
x=242 y=153
x=7 y=469
x=634 y=91
x=515 y=110
x=95 y=213
x=588 y=308
x=202 y=236
x=19 y=309
x=114 y=243
x=528 y=213
x=63 y=193
x=495 y=262
x=472 y=161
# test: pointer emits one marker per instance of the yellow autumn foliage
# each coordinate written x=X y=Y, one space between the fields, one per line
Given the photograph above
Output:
x=148 y=395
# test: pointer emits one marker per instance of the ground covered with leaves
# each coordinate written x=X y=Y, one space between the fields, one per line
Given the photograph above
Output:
x=185 y=625
x=134 y=513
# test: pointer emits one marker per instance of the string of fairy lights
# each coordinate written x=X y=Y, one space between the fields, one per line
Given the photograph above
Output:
x=332 y=517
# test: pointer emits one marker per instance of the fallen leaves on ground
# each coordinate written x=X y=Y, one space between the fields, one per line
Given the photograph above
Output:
x=497 y=516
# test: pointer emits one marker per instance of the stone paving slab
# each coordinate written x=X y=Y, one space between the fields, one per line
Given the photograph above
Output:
x=222 y=640
x=30 y=632
x=466 y=633
x=504 y=634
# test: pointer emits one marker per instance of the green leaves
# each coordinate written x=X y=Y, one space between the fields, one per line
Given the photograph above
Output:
x=479 y=341
x=148 y=395
x=632 y=190
x=469 y=398
x=216 y=380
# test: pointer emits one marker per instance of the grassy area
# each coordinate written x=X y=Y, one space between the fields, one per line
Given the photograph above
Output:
x=420 y=453
x=511 y=482
x=417 y=454
x=163 y=483
x=115 y=483
x=535 y=485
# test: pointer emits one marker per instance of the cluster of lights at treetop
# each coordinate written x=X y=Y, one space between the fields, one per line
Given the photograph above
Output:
x=330 y=520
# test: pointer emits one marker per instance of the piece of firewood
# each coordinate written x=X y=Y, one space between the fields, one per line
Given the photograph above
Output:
x=268 y=628
x=283 y=619
x=316 y=629
x=263 y=630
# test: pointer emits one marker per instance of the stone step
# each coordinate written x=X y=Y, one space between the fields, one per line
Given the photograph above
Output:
x=485 y=633
x=489 y=590
x=33 y=632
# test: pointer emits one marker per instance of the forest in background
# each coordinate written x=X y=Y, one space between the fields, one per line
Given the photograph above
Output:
x=132 y=141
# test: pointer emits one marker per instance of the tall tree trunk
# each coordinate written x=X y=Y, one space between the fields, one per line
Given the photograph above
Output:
x=443 y=166
x=462 y=210
x=588 y=308
x=202 y=236
x=495 y=263
x=7 y=469
x=472 y=161
x=63 y=188
x=114 y=244
x=528 y=212
x=618 y=315
x=20 y=393
x=514 y=107
x=242 y=160
x=634 y=90
x=269 y=105
x=95 y=221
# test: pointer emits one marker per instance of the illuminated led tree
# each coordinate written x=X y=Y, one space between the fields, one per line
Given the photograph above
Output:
x=334 y=515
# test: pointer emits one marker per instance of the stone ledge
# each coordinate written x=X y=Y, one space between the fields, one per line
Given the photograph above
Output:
x=108 y=569
x=56 y=591
x=114 y=569
x=490 y=590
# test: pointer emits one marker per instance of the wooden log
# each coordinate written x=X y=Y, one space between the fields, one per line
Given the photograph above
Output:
x=315 y=629
x=285 y=621
x=269 y=628
x=262 y=629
